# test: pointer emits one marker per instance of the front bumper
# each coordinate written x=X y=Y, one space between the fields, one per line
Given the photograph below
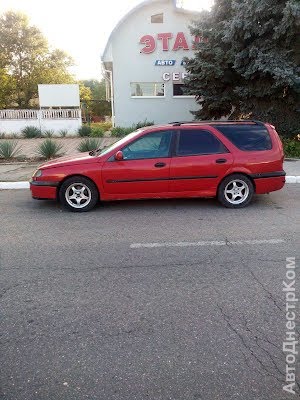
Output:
x=44 y=189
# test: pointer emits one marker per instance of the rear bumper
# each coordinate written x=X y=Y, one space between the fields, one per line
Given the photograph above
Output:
x=43 y=189
x=268 y=181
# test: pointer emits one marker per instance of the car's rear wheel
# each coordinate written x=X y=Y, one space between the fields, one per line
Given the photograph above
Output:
x=78 y=194
x=235 y=191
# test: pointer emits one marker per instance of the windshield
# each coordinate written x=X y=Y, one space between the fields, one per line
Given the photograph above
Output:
x=120 y=142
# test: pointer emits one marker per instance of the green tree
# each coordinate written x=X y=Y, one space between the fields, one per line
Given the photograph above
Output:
x=249 y=67
x=97 y=105
x=26 y=60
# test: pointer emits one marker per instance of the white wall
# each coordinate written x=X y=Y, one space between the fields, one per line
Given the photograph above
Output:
x=15 y=126
x=129 y=65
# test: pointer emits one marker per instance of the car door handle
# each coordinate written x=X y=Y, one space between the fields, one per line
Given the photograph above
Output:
x=160 y=164
x=221 y=160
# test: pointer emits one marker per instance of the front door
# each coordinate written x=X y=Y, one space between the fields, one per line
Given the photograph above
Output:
x=144 y=170
x=200 y=160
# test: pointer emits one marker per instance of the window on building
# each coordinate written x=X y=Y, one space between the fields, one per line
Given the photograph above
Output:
x=247 y=137
x=197 y=141
x=179 y=89
x=147 y=89
x=157 y=18
x=152 y=145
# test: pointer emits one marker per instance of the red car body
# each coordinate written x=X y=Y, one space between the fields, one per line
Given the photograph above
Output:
x=173 y=176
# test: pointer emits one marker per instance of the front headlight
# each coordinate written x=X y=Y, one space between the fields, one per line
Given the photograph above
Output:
x=37 y=173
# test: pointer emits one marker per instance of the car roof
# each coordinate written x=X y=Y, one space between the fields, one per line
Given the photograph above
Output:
x=203 y=122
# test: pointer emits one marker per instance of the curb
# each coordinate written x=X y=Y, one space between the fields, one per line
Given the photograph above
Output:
x=25 y=185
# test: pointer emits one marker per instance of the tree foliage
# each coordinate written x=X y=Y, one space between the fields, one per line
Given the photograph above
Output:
x=96 y=105
x=26 y=61
x=250 y=65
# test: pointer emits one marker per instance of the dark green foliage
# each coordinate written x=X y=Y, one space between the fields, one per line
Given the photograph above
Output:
x=49 y=149
x=291 y=147
x=31 y=132
x=84 y=131
x=249 y=67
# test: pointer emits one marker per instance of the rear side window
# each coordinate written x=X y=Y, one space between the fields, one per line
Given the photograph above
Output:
x=247 y=137
x=197 y=141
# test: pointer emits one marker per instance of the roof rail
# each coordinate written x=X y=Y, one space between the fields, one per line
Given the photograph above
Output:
x=178 y=123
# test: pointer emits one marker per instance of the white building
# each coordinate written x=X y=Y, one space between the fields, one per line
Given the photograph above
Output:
x=143 y=64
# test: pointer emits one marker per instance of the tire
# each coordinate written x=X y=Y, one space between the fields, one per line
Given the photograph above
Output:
x=78 y=194
x=235 y=191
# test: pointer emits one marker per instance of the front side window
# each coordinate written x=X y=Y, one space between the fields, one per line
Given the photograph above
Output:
x=250 y=137
x=147 y=89
x=197 y=141
x=152 y=145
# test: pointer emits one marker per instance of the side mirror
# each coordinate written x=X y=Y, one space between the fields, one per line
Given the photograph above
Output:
x=119 y=156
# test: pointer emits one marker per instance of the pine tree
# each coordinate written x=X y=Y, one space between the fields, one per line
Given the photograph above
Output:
x=250 y=65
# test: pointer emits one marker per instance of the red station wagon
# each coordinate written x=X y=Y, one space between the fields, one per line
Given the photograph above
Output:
x=230 y=160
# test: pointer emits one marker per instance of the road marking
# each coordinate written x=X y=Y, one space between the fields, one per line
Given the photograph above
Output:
x=207 y=243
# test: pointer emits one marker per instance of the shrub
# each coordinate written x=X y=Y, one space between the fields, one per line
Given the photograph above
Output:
x=97 y=132
x=48 y=133
x=84 y=131
x=119 y=131
x=63 y=133
x=141 y=124
x=106 y=126
x=291 y=147
x=30 y=132
x=2 y=135
x=89 y=144
x=9 y=149
x=49 y=149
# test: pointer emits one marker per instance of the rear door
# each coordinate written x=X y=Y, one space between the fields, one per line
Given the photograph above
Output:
x=200 y=161
x=145 y=168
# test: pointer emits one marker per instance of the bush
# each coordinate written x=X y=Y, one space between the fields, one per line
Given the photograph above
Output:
x=106 y=126
x=118 y=131
x=63 y=133
x=141 y=124
x=291 y=147
x=89 y=144
x=48 y=133
x=97 y=132
x=30 y=132
x=49 y=149
x=2 y=135
x=9 y=149
x=84 y=131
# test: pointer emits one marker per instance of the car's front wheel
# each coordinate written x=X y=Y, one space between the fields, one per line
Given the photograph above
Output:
x=235 y=191
x=78 y=194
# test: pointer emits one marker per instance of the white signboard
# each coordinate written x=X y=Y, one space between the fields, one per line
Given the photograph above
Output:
x=59 y=95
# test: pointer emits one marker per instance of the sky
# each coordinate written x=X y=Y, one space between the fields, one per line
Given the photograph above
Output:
x=81 y=28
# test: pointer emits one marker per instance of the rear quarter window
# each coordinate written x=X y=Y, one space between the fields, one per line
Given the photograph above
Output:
x=247 y=137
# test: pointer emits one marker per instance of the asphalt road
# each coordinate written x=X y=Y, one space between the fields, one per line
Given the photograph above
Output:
x=177 y=299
